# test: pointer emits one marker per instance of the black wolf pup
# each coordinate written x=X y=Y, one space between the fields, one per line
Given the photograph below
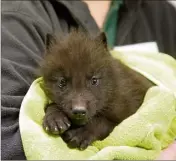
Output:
x=92 y=92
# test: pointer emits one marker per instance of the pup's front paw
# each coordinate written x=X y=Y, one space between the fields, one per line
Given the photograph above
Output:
x=56 y=122
x=79 y=138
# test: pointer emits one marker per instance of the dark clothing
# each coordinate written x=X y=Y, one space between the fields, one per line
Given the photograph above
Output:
x=24 y=27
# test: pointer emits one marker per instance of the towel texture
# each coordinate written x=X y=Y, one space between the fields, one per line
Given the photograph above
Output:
x=141 y=136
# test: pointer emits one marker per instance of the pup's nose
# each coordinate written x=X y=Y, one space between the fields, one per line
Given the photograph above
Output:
x=79 y=112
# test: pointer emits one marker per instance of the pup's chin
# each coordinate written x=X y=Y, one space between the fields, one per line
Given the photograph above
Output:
x=79 y=121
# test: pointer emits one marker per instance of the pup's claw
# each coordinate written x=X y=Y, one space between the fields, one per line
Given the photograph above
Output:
x=56 y=129
x=55 y=123
x=46 y=128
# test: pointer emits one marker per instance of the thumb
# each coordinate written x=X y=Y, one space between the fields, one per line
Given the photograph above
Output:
x=168 y=153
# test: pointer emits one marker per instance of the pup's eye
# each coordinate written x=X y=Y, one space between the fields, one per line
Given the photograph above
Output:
x=62 y=82
x=94 y=81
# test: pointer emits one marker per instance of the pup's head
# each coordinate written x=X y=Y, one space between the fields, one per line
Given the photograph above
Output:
x=78 y=75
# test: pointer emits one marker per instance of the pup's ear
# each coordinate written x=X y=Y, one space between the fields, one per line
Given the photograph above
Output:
x=102 y=38
x=50 y=39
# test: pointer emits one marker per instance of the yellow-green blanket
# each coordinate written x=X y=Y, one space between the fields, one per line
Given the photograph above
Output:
x=141 y=136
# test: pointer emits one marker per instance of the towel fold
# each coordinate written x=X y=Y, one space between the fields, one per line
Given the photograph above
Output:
x=142 y=136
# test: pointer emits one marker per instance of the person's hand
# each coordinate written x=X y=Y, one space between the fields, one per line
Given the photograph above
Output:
x=169 y=153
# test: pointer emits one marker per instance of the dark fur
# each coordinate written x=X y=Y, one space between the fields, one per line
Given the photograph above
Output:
x=78 y=57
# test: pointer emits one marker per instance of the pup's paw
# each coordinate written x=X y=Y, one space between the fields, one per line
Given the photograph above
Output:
x=56 y=123
x=79 y=138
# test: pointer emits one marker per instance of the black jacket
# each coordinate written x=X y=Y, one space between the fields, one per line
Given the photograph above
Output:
x=24 y=27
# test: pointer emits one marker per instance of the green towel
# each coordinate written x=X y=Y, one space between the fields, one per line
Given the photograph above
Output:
x=139 y=137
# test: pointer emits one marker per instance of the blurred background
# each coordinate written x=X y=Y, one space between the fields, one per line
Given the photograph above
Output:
x=173 y=2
